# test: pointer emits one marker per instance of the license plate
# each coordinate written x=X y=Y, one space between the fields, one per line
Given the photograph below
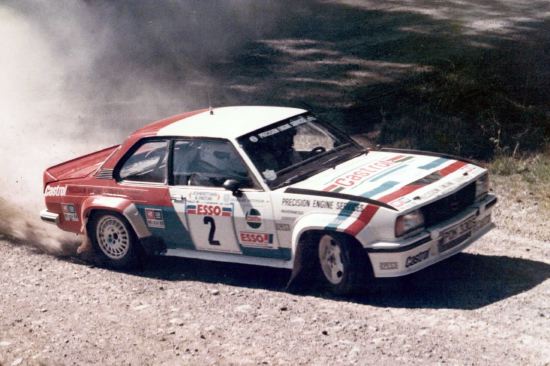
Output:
x=452 y=237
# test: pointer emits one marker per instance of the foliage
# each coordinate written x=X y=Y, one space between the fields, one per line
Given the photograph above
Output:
x=466 y=110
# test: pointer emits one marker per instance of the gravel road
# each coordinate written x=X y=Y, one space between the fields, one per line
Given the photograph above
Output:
x=490 y=305
x=487 y=306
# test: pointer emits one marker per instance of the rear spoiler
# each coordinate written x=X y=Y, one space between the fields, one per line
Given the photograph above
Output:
x=57 y=172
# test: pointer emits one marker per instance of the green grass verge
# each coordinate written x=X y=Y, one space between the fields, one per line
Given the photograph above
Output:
x=531 y=172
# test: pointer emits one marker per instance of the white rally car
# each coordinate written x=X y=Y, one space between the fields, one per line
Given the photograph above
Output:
x=274 y=187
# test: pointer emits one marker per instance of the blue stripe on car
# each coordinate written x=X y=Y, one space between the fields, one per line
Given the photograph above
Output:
x=383 y=174
x=382 y=188
x=174 y=234
x=434 y=164
x=346 y=212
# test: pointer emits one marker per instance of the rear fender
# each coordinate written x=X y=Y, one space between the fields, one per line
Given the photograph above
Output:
x=119 y=205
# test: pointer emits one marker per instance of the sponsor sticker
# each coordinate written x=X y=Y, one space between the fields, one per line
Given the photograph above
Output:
x=286 y=126
x=296 y=202
x=253 y=218
x=388 y=266
x=154 y=218
x=323 y=204
x=415 y=259
x=292 y=212
x=282 y=226
x=350 y=206
x=256 y=238
x=209 y=210
x=207 y=197
x=359 y=175
x=69 y=212
x=57 y=191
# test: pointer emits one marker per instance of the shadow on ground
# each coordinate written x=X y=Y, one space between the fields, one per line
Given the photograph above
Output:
x=466 y=281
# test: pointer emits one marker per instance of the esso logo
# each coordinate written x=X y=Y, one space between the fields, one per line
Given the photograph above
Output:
x=254 y=238
x=210 y=210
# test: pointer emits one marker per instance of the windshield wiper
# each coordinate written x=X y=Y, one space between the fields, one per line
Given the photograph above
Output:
x=339 y=159
x=299 y=177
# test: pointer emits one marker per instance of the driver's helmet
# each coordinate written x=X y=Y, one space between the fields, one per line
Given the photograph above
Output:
x=218 y=155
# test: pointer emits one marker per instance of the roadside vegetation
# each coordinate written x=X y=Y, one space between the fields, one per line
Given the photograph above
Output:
x=482 y=105
x=525 y=180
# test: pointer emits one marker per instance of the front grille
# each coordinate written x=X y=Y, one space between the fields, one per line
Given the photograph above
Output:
x=449 y=206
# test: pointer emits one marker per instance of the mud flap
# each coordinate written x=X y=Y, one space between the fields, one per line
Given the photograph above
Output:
x=152 y=245
x=303 y=272
x=293 y=283
x=86 y=245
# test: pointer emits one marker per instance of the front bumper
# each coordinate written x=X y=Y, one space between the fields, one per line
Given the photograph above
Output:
x=394 y=259
x=49 y=217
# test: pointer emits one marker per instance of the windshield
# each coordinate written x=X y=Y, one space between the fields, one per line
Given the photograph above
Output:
x=295 y=148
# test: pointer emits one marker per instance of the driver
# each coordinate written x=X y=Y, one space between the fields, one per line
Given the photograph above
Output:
x=215 y=163
x=277 y=153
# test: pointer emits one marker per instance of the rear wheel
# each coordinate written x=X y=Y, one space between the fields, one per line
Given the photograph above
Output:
x=342 y=264
x=114 y=240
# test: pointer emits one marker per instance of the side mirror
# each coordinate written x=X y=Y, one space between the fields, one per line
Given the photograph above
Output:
x=234 y=186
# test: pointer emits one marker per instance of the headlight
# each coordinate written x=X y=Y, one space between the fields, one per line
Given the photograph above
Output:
x=408 y=222
x=482 y=185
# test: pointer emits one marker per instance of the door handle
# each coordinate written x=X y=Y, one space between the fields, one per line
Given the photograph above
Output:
x=177 y=197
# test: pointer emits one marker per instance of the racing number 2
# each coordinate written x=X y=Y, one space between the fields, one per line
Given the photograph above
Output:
x=210 y=221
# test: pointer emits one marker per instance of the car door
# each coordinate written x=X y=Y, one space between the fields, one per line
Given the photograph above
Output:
x=254 y=224
x=143 y=176
x=217 y=220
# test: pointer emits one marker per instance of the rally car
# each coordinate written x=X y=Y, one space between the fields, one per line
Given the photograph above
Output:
x=270 y=186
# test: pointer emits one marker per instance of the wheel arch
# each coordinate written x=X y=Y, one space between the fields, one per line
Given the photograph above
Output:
x=306 y=234
x=119 y=205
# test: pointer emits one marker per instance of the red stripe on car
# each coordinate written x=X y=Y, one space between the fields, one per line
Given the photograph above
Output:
x=368 y=212
x=452 y=168
x=362 y=221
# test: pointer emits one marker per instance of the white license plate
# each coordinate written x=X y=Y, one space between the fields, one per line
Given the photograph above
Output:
x=452 y=237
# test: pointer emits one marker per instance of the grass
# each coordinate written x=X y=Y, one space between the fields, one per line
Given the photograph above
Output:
x=524 y=179
x=534 y=169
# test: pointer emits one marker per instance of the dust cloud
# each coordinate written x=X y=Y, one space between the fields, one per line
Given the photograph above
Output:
x=34 y=109
x=80 y=76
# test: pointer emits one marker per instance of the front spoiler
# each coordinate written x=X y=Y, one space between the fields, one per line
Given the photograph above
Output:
x=49 y=217
x=427 y=250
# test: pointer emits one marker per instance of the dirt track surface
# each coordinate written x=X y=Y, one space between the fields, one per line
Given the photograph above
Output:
x=489 y=305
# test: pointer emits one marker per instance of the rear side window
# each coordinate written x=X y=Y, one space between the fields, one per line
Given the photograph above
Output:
x=147 y=163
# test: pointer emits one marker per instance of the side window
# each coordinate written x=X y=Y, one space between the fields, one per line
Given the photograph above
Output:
x=207 y=163
x=147 y=163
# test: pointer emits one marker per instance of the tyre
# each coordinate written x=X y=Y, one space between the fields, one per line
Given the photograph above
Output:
x=342 y=263
x=114 y=240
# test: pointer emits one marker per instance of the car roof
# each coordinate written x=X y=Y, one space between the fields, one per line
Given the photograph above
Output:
x=226 y=122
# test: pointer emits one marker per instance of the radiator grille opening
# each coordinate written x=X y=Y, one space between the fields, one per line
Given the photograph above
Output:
x=449 y=206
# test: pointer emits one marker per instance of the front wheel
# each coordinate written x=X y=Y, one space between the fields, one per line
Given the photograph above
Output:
x=114 y=240
x=340 y=263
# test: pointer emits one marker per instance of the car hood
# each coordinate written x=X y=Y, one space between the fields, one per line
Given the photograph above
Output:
x=399 y=180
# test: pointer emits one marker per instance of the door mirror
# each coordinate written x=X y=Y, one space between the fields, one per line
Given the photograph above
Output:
x=234 y=186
